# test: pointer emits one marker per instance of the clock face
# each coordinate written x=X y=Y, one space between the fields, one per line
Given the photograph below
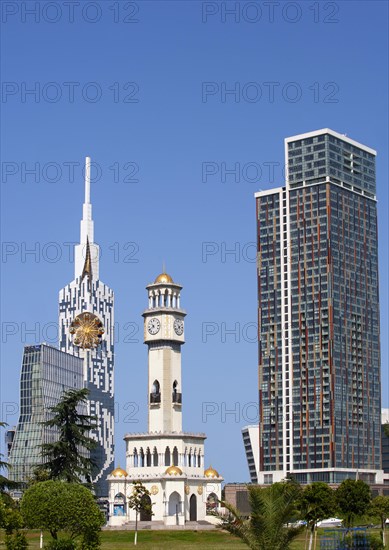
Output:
x=87 y=329
x=153 y=326
x=178 y=326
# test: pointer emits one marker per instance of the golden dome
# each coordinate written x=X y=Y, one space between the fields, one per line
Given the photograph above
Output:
x=119 y=472
x=211 y=472
x=163 y=278
x=173 y=471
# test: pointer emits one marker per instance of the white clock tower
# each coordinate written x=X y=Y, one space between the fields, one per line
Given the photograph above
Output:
x=164 y=336
x=168 y=461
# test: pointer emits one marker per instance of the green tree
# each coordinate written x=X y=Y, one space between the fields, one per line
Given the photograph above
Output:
x=272 y=508
x=65 y=458
x=59 y=506
x=139 y=501
x=380 y=509
x=11 y=521
x=317 y=502
x=353 y=498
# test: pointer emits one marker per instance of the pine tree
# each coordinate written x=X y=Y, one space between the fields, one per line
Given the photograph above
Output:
x=68 y=457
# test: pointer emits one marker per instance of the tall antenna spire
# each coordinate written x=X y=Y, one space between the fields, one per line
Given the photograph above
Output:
x=87 y=180
x=87 y=252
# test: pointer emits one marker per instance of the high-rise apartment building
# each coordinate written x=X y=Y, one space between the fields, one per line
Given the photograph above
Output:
x=46 y=374
x=318 y=314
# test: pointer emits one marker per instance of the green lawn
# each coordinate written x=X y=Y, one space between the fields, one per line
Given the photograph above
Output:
x=154 y=540
x=161 y=540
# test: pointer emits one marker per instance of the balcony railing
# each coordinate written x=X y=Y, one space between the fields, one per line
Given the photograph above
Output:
x=177 y=398
x=155 y=397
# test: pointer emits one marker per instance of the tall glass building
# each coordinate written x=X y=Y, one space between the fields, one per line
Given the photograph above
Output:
x=318 y=314
x=46 y=373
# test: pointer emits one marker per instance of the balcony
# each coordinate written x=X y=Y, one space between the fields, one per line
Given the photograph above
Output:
x=177 y=398
x=155 y=398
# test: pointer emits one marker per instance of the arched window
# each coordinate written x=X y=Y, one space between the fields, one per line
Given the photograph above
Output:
x=190 y=458
x=175 y=456
x=148 y=457
x=167 y=457
x=199 y=460
x=155 y=395
x=155 y=457
x=141 y=458
x=176 y=396
x=136 y=463
x=186 y=457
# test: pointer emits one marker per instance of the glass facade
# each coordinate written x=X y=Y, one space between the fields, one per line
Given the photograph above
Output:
x=318 y=304
x=313 y=158
x=46 y=374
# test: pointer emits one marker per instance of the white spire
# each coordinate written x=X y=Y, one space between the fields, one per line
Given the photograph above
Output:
x=87 y=180
x=86 y=231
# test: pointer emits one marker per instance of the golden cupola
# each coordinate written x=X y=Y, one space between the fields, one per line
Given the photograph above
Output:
x=211 y=472
x=173 y=471
x=163 y=278
x=119 y=472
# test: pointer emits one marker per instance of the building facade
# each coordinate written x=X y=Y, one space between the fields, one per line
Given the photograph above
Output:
x=45 y=375
x=385 y=441
x=86 y=324
x=250 y=435
x=168 y=461
x=9 y=437
x=318 y=314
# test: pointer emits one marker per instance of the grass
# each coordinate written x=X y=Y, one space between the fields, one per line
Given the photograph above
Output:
x=153 y=540
x=161 y=540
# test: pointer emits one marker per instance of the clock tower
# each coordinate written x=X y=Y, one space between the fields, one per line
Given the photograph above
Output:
x=164 y=336
x=168 y=461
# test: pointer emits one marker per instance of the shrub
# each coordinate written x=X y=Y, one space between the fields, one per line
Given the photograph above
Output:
x=61 y=544
x=17 y=541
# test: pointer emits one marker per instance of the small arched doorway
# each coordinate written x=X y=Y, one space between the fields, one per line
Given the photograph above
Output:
x=193 y=508
x=211 y=505
x=174 y=505
x=145 y=515
x=119 y=506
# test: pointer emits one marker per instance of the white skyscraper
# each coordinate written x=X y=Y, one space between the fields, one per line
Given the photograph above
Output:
x=86 y=321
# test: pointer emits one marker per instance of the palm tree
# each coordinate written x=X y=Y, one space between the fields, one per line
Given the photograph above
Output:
x=272 y=508
x=68 y=457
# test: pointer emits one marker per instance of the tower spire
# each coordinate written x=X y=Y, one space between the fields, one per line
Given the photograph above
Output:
x=87 y=180
x=88 y=264
x=87 y=252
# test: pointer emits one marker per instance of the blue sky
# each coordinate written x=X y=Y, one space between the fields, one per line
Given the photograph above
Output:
x=144 y=92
